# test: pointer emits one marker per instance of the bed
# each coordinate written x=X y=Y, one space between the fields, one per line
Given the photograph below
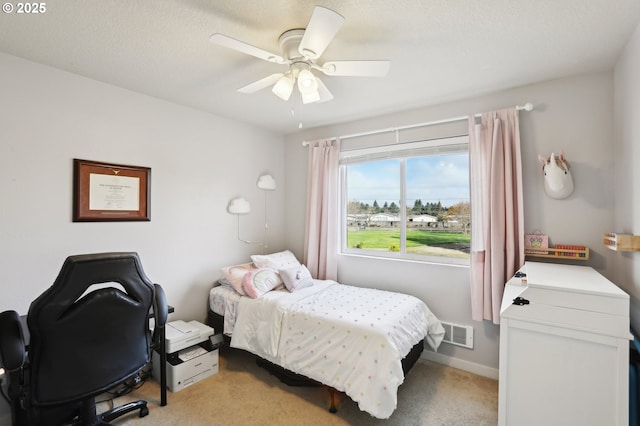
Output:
x=355 y=340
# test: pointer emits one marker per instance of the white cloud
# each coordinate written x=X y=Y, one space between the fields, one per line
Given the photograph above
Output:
x=430 y=179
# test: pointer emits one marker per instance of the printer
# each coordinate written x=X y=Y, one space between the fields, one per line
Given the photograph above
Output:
x=191 y=355
x=181 y=334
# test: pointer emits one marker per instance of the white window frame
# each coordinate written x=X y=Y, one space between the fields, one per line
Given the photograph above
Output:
x=400 y=151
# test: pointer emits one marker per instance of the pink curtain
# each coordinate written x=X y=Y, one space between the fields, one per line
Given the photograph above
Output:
x=321 y=233
x=497 y=218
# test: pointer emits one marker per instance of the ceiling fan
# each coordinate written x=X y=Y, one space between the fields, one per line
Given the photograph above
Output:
x=301 y=49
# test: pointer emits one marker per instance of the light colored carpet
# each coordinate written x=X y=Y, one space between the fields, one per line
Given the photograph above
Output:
x=242 y=393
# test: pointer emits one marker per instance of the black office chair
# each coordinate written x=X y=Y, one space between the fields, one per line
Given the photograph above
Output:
x=89 y=333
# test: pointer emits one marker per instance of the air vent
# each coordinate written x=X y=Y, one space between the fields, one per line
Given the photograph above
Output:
x=460 y=335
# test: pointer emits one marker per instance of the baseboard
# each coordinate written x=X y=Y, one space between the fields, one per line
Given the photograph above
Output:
x=472 y=367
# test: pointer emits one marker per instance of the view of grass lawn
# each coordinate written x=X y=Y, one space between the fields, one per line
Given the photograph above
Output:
x=387 y=238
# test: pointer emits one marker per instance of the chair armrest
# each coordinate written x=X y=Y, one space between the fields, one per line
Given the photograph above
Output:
x=12 y=348
x=161 y=312
x=160 y=306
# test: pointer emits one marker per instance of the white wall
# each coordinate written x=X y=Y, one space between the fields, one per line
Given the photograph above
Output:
x=627 y=172
x=199 y=162
x=574 y=114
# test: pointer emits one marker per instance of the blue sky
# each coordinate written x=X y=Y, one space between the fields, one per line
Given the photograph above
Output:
x=434 y=178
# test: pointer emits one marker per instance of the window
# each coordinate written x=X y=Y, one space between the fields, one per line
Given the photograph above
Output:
x=408 y=200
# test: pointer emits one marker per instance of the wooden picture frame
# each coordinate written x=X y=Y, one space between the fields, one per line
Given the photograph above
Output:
x=105 y=192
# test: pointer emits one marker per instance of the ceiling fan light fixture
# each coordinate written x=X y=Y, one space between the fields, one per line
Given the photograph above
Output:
x=307 y=82
x=310 y=97
x=284 y=87
x=308 y=86
x=301 y=49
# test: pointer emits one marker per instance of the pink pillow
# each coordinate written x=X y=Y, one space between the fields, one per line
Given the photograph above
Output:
x=260 y=281
x=234 y=274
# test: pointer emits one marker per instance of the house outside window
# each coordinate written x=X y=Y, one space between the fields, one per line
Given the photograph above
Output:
x=407 y=201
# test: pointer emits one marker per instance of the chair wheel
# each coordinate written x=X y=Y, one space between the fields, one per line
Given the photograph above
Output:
x=143 y=411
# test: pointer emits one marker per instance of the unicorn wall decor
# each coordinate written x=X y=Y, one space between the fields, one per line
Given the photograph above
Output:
x=558 y=182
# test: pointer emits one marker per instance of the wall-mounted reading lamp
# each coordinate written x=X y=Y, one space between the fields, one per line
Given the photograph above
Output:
x=241 y=206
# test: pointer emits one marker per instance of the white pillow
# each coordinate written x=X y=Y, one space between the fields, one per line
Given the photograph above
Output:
x=260 y=281
x=281 y=260
x=296 y=278
x=234 y=274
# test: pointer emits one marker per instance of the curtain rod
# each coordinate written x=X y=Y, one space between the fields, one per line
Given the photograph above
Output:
x=526 y=107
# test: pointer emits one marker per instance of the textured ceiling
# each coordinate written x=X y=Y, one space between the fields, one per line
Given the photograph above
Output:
x=440 y=50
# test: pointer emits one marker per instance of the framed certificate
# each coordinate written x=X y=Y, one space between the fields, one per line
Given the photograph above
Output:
x=110 y=192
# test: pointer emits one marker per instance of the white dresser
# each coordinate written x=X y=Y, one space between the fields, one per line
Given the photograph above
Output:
x=564 y=349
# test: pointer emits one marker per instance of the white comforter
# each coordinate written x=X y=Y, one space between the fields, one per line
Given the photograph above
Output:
x=350 y=338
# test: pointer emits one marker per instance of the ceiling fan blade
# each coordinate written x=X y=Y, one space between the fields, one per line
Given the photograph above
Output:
x=325 y=94
x=261 y=84
x=356 y=68
x=322 y=27
x=240 y=46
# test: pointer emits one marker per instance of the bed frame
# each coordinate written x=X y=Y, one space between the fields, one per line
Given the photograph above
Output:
x=293 y=379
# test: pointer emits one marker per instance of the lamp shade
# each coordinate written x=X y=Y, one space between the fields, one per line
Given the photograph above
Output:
x=306 y=81
x=284 y=87
x=267 y=182
x=239 y=205
x=308 y=86
x=310 y=97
